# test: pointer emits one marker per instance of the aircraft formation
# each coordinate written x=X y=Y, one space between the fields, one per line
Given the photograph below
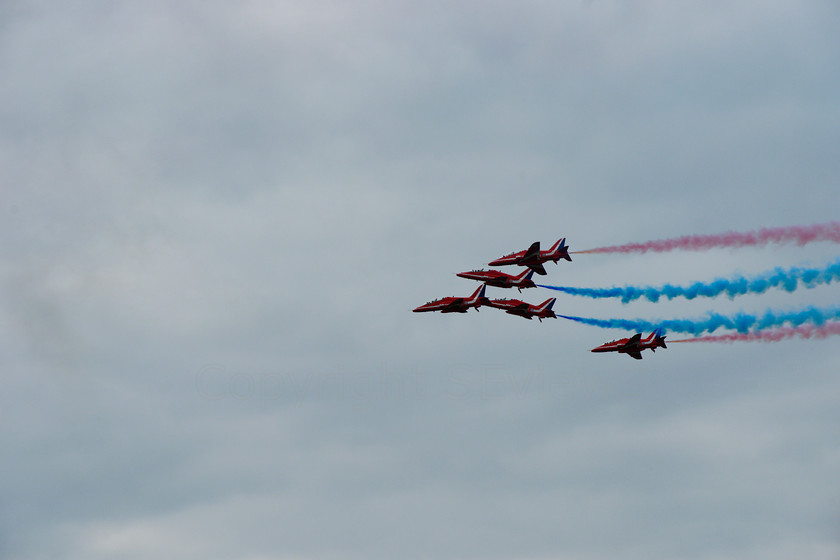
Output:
x=770 y=326
x=532 y=259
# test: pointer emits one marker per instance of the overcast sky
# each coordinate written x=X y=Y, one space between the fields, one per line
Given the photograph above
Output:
x=217 y=217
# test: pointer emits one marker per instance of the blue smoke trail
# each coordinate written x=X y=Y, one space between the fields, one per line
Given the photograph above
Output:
x=787 y=279
x=741 y=322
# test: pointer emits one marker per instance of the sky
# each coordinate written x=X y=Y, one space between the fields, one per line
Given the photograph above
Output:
x=218 y=216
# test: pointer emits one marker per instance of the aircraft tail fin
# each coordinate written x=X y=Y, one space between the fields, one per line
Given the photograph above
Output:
x=478 y=295
x=658 y=339
x=564 y=250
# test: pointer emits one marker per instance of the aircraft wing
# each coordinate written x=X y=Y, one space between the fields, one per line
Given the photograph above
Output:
x=532 y=252
x=521 y=309
x=633 y=341
x=632 y=346
x=455 y=305
x=538 y=268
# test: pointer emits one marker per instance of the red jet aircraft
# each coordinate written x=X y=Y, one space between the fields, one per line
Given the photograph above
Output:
x=533 y=257
x=634 y=345
x=456 y=304
x=500 y=279
x=517 y=307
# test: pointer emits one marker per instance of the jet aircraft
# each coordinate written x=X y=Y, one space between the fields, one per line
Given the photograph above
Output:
x=518 y=307
x=634 y=345
x=456 y=304
x=533 y=257
x=500 y=279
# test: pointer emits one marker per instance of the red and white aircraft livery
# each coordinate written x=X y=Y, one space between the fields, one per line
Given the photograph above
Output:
x=456 y=304
x=533 y=257
x=518 y=307
x=634 y=345
x=500 y=279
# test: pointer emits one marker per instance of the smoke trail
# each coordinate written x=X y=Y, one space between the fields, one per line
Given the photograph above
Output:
x=787 y=279
x=772 y=335
x=798 y=234
x=741 y=322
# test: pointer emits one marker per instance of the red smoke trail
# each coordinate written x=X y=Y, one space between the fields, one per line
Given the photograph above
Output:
x=797 y=234
x=772 y=335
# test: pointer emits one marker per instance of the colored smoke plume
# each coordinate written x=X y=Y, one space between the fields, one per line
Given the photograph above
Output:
x=773 y=335
x=787 y=279
x=800 y=235
x=741 y=322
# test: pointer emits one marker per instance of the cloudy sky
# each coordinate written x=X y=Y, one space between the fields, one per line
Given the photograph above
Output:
x=217 y=217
